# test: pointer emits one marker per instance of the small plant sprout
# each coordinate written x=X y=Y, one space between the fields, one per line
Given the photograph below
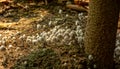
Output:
x=50 y=23
x=68 y=3
x=76 y=22
x=20 y=37
x=17 y=49
x=66 y=27
x=34 y=41
x=40 y=39
x=80 y=14
x=44 y=26
x=90 y=57
x=17 y=32
x=60 y=11
x=66 y=15
x=118 y=34
x=25 y=62
x=86 y=17
x=80 y=39
x=95 y=66
x=10 y=46
x=0 y=35
x=66 y=37
x=41 y=16
x=119 y=57
x=78 y=27
x=68 y=30
x=117 y=51
x=89 y=68
x=70 y=43
x=28 y=40
x=55 y=22
x=26 y=7
x=65 y=64
x=117 y=42
x=13 y=38
x=3 y=42
x=38 y=26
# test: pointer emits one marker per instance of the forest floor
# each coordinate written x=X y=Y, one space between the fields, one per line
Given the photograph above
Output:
x=29 y=40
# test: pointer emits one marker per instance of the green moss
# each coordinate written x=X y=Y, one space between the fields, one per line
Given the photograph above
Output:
x=40 y=59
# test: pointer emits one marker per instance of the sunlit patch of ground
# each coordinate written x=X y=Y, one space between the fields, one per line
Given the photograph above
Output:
x=11 y=31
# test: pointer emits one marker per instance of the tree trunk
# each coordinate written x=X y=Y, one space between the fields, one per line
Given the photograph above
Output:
x=101 y=31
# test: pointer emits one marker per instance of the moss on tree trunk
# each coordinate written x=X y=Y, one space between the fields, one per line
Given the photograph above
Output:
x=101 y=31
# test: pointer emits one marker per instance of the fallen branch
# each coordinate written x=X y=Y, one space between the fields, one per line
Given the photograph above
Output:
x=5 y=27
x=82 y=3
x=76 y=7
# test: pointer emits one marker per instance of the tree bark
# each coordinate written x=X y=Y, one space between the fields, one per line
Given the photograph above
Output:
x=101 y=31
